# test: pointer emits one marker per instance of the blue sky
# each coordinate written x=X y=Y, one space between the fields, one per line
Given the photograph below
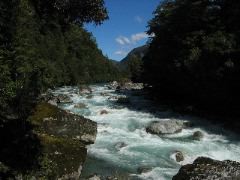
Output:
x=126 y=27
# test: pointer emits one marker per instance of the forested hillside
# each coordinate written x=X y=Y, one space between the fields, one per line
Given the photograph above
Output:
x=131 y=65
x=193 y=58
x=43 y=45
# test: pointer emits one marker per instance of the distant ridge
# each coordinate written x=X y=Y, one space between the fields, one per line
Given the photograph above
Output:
x=139 y=52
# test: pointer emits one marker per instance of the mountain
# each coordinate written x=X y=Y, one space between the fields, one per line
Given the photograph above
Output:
x=138 y=52
x=131 y=65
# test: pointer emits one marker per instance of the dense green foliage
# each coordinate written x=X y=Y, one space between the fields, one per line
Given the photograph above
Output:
x=43 y=45
x=134 y=68
x=131 y=65
x=194 y=54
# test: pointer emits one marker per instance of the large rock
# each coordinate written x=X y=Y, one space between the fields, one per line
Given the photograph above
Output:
x=55 y=99
x=166 y=127
x=65 y=124
x=209 y=169
x=84 y=89
x=63 y=137
x=130 y=86
x=198 y=135
x=121 y=86
x=63 y=98
x=179 y=156
x=113 y=85
x=102 y=112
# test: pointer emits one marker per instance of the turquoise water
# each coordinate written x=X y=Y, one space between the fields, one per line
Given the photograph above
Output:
x=126 y=124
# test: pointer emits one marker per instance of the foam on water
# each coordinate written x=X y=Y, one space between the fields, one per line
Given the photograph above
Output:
x=127 y=125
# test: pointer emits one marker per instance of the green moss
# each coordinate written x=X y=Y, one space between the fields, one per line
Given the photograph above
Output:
x=62 y=152
x=43 y=110
x=65 y=154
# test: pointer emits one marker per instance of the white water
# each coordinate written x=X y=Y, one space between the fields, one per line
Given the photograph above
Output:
x=127 y=124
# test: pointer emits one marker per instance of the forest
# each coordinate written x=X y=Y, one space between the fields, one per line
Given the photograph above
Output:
x=193 y=59
x=44 y=45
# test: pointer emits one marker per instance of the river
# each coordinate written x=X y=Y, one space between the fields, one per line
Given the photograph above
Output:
x=124 y=125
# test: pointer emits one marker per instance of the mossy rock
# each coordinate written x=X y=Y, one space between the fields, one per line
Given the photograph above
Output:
x=51 y=120
x=43 y=110
x=66 y=154
x=63 y=137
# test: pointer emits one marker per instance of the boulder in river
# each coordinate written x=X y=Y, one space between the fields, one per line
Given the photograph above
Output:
x=209 y=169
x=80 y=106
x=128 y=85
x=84 y=89
x=104 y=94
x=166 y=127
x=113 y=85
x=102 y=112
x=198 y=135
x=120 y=145
x=63 y=98
x=144 y=169
x=179 y=156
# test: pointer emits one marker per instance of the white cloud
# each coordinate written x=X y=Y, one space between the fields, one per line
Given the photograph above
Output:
x=121 y=53
x=126 y=40
x=123 y=40
x=138 y=37
x=120 y=41
x=138 y=19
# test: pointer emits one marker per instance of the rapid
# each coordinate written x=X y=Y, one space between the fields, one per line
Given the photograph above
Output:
x=123 y=145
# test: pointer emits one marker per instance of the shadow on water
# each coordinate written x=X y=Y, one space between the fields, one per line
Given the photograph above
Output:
x=140 y=102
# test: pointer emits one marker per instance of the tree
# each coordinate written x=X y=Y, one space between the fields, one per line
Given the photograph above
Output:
x=73 y=11
x=134 y=65
x=193 y=57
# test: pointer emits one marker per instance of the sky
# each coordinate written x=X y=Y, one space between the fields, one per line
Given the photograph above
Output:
x=126 y=27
